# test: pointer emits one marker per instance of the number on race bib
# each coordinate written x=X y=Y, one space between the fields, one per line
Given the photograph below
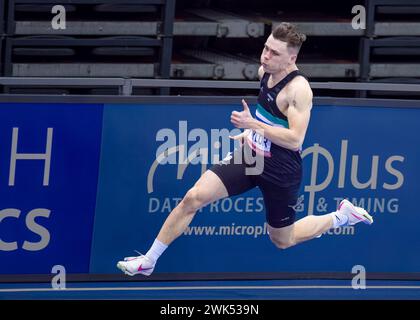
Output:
x=259 y=143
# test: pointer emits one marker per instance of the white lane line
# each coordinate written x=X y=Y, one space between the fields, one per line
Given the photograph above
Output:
x=201 y=288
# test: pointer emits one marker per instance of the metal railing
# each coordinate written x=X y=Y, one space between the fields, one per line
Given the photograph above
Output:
x=126 y=86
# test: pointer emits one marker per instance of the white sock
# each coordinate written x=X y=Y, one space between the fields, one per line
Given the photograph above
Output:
x=156 y=250
x=339 y=219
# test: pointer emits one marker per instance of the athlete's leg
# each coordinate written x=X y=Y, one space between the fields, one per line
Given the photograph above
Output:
x=280 y=204
x=313 y=226
x=221 y=180
x=227 y=178
x=304 y=229
x=207 y=189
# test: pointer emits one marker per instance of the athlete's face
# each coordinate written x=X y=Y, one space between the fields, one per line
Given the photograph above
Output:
x=276 y=57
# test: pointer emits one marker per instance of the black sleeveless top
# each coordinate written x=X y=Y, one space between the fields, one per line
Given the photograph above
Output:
x=282 y=166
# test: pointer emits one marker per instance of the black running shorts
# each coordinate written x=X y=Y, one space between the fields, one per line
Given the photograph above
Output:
x=279 y=201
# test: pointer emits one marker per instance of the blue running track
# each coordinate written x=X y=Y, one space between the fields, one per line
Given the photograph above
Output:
x=210 y=290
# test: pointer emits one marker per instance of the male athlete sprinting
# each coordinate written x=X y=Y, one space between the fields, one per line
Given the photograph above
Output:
x=283 y=112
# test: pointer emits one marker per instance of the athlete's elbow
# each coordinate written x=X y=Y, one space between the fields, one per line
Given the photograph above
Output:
x=295 y=143
x=290 y=144
x=298 y=141
x=294 y=146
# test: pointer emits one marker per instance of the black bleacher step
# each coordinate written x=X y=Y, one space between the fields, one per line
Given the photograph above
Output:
x=397 y=46
x=60 y=91
x=127 y=8
x=104 y=91
x=43 y=52
x=396 y=51
x=46 y=8
x=45 y=37
x=115 y=41
x=398 y=9
x=123 y=51
x=397 y=80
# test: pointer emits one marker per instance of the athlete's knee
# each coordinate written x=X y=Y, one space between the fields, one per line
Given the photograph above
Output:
x=282 y=243
x=193 y=199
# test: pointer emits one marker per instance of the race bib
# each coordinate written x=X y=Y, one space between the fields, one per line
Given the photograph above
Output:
x=259 y=143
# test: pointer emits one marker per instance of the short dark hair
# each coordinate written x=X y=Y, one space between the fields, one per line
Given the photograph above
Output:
x=289 y=33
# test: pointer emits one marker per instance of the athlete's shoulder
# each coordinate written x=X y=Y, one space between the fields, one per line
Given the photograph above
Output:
x=299 y=93
x=300 y=85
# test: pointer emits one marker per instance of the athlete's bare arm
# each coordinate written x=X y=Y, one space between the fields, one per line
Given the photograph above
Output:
x=242 y=135
x=299 y=98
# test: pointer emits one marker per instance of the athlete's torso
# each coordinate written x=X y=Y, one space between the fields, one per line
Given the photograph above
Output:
x=281 y=166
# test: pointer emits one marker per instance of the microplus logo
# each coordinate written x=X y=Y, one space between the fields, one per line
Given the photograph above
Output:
x=384 y=172
x=392 y=178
